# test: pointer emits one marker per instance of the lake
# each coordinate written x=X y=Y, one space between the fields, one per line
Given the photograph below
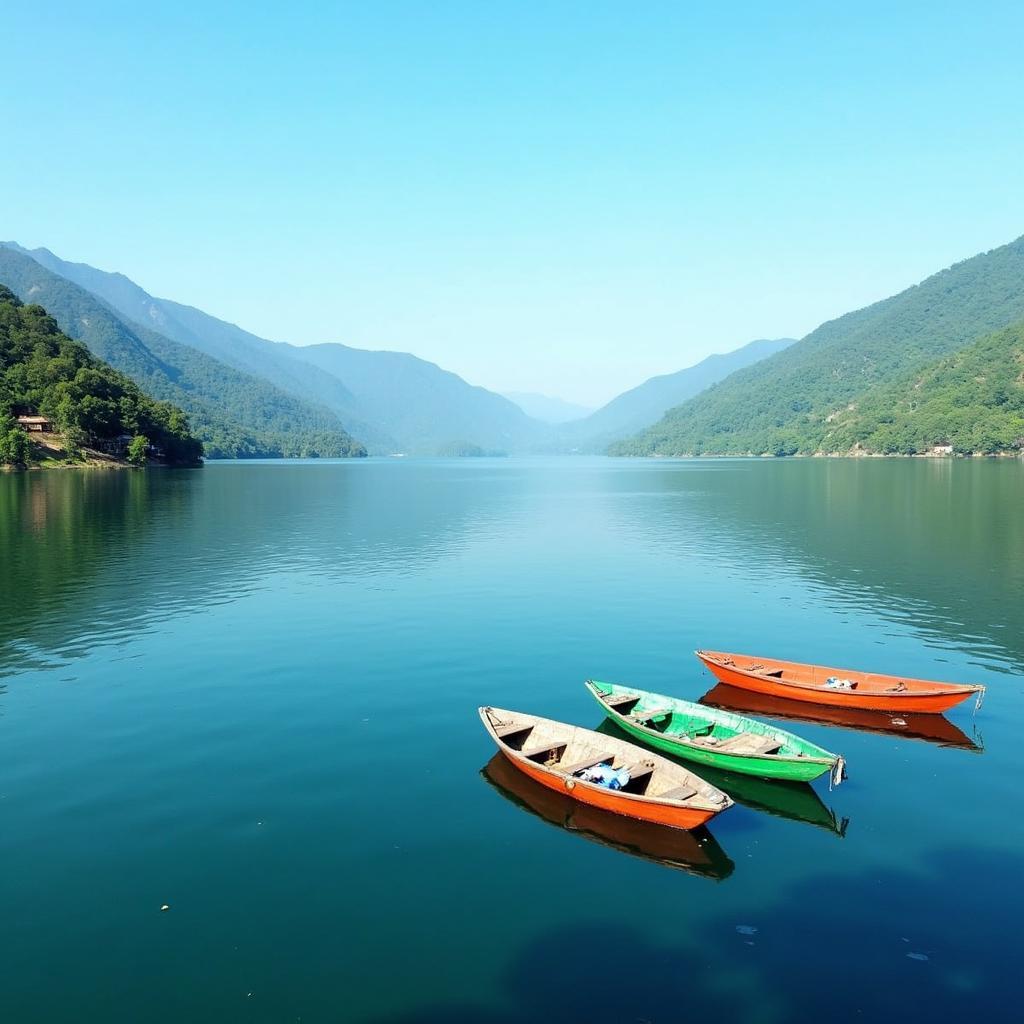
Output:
x=249 y=692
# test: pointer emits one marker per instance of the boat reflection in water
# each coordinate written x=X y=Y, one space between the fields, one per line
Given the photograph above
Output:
x=798 y=801
x=929 y=727
x=697 y=852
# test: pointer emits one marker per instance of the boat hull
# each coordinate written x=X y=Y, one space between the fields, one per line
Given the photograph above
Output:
x=910 y=701
x=610 y=800
x=696 y=852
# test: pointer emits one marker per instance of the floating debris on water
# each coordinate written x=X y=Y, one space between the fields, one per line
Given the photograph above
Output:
x=165 y=906
x=746 y=929
x=917 y=956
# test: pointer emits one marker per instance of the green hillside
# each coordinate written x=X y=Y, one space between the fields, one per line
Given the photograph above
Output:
x=783 y=405
x=43 y=371
x=973 y=400
x=236 y=414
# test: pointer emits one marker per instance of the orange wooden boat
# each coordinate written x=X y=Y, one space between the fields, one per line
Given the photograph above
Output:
x=696 y=852
x=554 y=754
x=840 y=687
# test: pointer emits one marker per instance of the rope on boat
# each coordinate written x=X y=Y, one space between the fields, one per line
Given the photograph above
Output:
x=496 y=722
x=838 y=773
x=979 y=699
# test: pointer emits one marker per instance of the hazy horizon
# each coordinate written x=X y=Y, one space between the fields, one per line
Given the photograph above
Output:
x=555 y=200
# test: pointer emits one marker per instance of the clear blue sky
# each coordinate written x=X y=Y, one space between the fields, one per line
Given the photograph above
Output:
x=557 y=197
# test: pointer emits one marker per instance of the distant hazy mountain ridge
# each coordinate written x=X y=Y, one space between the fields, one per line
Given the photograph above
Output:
x=424 y=408
x=547 y=408
x=646 y=404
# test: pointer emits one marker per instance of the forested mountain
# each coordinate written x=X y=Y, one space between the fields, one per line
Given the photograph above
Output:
x=972 y=400
x=236 y=414
x=787 y=403
x=646 y=404
x=832 y=390
x=391 y=401
x=43 y=371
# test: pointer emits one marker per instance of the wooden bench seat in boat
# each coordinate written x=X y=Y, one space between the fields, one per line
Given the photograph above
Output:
x=620 y=699
x=707 y=739
x=644 y=716
x=638 y=772
x=749 y=743
x=587 y=762
x=679 y=793
x=701 y=732
x=556 y=750
x=504 y=731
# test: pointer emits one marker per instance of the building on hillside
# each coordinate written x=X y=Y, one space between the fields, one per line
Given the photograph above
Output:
x=942 y=449
x=34 y=424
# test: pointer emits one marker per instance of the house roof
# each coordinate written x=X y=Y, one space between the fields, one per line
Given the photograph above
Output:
x=32 y=419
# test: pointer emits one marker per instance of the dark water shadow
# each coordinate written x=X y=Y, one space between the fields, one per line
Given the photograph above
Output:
x=796 y=801
x=879 y=945
x=935 y=729
x=696 y=852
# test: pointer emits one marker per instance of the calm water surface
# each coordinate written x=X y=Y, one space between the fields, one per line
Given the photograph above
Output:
x=250 y=692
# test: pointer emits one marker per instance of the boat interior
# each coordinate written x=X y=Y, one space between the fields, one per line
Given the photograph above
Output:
x=692 y=728
x=571 y=751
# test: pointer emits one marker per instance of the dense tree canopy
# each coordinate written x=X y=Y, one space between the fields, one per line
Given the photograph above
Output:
x=972 y=400
x=43 y=371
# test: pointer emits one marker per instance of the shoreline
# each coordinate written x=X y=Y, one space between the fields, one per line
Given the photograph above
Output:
x=832 y=455
x=46 y=455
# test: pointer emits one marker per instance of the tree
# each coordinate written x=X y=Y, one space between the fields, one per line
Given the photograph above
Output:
x=14 y=444
x=74 y=439
x=138 y=450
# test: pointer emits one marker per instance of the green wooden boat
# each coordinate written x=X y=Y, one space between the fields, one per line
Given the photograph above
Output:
x=796 y=801
x=711 y=736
